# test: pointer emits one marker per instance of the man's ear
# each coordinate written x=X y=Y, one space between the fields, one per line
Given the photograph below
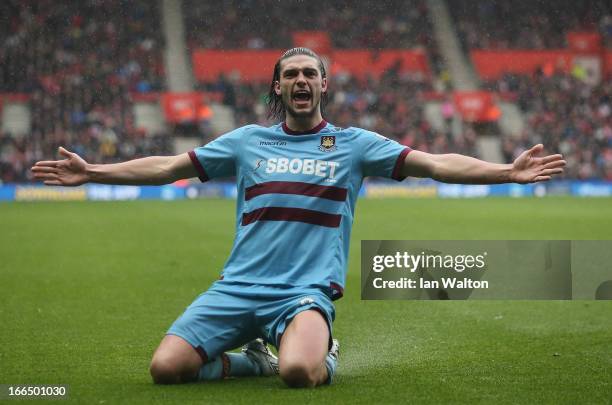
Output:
x=324 y=85
x=277 y=88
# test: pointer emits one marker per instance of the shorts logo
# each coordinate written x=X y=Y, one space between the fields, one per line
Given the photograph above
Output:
x=306 y=301
x=328 y=143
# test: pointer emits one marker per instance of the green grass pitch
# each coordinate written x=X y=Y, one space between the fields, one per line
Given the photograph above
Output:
x=87 y=291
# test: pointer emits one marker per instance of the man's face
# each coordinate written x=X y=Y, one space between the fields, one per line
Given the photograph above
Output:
x=301 y=85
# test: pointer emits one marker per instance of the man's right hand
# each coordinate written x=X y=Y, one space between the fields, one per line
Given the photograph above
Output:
x=71 y=171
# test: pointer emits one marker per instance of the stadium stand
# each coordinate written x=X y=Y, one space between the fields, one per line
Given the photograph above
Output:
x=567 y=115
x=82 y=64
x=269 y=24
x=525 y=24
x=564 y=108
x=78 y=62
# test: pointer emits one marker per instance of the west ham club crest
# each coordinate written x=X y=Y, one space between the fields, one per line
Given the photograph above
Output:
x=328 y=143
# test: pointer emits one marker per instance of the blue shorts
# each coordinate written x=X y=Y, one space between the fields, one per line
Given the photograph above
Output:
x=231 y=314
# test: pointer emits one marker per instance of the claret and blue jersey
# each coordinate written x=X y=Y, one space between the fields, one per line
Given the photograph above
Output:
x=296 y=198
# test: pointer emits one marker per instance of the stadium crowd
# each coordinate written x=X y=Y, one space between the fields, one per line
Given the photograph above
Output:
x=80 y=95
x=568 y=116
x=78 y=62
x=527 y=24
x=262 y=24
x=259 y=24
x=50 y=44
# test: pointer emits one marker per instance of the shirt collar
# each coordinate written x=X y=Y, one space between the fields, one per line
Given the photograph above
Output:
x=314 y=130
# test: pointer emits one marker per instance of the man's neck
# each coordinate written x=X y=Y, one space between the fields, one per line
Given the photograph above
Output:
x=302 y=124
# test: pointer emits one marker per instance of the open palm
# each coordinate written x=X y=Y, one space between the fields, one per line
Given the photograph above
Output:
x=68 y=172
x=528 y=168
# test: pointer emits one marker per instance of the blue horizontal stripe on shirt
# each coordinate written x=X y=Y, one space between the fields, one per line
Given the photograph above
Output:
x=294 y=201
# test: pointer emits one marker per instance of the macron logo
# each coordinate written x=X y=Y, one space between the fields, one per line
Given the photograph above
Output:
x=272 y=143
x=319 y=168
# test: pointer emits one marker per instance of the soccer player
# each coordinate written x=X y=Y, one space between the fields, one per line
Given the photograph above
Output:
x=297 y=186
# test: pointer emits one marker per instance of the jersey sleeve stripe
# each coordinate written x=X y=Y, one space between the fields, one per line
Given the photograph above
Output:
x=299 y=188
x=292 y=214
x=397 y=169
x=198 y=166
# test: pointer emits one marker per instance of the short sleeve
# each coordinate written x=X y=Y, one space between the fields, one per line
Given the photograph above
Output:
x=382 y=156
x=217 y=158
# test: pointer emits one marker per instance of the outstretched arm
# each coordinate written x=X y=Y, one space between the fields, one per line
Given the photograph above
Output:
x=454 y=168
x=74 y=171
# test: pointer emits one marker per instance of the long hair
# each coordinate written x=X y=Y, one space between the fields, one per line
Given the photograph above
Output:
x=276 y=108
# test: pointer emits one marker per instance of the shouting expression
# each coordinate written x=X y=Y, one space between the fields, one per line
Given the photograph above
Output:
x=301 y=86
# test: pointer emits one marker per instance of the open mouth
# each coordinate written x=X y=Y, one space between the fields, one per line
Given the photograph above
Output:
x=301 y=96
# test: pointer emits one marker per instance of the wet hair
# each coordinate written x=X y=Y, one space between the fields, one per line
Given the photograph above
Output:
x=276 y=108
